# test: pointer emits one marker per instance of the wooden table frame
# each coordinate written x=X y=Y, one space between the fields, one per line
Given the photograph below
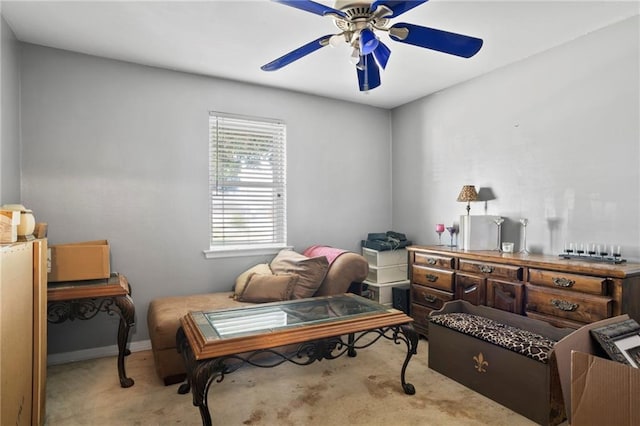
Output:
x=83 y=300
x=209 y=361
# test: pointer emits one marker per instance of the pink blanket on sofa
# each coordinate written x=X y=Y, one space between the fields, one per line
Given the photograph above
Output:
x=330 y=253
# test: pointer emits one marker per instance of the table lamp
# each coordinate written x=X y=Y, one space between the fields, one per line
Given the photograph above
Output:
x=468 y=194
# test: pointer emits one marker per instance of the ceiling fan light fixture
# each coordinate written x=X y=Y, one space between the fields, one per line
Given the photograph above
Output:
x=382 y=54
x=368 y=41
x=336 y=40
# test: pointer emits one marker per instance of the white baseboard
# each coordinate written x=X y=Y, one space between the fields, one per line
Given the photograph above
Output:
x=93 y=353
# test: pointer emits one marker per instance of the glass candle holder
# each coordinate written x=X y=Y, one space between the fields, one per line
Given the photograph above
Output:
x=498 y=222
x=602 y=250
x=452 y=230
x=440 y=230
x=524 y=221
x=615 y=251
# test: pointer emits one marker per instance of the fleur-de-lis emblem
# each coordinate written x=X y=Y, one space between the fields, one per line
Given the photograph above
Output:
x=481 y=364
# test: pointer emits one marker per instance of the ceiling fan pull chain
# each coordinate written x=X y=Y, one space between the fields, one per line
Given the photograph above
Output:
x=366 y=74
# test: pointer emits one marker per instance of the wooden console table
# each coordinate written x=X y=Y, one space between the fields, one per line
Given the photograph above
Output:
x=83 y=300
x=563 y=292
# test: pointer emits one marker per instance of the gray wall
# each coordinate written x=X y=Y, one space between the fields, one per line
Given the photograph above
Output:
x=9 y=116
x=555 y=137
x=119 y=151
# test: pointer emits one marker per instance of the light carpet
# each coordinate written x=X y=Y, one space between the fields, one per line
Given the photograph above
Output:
x=364 y=390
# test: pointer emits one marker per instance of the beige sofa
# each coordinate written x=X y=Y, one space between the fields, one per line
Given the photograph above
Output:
x=163 y=316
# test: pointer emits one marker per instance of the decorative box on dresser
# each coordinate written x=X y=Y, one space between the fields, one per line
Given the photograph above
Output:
x=564 y=293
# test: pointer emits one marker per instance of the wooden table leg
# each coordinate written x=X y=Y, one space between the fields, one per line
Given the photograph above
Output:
x=411 y=338
x=127 y=315
x=200 y=375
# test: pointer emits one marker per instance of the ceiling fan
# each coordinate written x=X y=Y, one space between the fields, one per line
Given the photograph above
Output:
x=358 y=21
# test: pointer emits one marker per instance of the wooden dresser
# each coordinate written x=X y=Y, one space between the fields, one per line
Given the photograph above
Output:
x=565 y=293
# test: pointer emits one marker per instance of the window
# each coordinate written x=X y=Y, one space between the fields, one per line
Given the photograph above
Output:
x=247 y=183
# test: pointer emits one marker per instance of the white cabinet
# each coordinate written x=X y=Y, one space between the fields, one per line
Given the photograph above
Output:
x=387 y=269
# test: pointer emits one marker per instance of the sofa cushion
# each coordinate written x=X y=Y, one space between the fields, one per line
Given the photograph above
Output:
x=262 y=288
x=163 y=316
x=311 y=271
x=241 y=281
x=524 y=342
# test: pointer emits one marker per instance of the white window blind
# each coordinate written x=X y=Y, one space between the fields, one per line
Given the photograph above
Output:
x=247 y=182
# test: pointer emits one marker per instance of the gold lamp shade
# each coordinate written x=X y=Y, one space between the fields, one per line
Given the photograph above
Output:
x=467 y=194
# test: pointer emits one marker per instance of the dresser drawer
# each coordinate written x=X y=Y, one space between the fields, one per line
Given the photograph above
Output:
x=471 y=288
x=435 y=278
x=564 y=281
x=492 y=269
x=420 y=315
x=429 y=297
x=433 y=260
x=580 y=307
x=505 y=295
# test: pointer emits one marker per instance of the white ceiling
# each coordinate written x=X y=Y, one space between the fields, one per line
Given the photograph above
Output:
x=232 y=39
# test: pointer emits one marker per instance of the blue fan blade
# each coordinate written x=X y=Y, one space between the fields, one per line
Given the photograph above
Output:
x=396 y=7
x=369 y=77
x=294 y=55
x=442 y=41
x=382 y=54
x=313 y=7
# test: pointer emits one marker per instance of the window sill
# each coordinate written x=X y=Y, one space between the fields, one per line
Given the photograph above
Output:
x=242 y=251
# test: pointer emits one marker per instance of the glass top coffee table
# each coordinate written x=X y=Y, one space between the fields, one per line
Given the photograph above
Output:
x=302 y=331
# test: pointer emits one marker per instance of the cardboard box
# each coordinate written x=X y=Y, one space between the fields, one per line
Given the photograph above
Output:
x=596 y=390
x=603 y=391
x=87 y=260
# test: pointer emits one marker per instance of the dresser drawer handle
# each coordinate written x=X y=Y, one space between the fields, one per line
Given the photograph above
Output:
x=431 y=278
x=429 y=298
x=431 y=261
x=563 y=282
x=563 y=305
x=486 y=269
